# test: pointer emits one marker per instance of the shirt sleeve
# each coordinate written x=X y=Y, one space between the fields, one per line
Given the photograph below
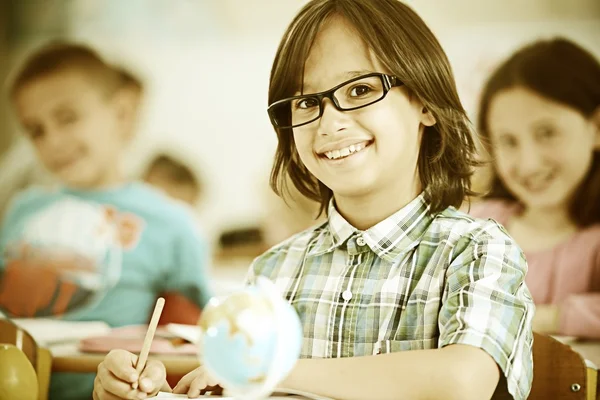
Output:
x=189 y=274
x=487 y=304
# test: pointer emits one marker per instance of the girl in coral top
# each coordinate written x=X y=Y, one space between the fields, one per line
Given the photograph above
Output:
x=540 y=119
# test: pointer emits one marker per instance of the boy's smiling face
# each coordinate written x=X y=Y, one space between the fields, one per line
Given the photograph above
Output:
x=387 y=133
x=76 y=128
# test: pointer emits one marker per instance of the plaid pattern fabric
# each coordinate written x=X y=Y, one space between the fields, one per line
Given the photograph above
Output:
x=413 y=281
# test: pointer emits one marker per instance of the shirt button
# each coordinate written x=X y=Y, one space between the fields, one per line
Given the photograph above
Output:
x=347 y=295
x=360 y=241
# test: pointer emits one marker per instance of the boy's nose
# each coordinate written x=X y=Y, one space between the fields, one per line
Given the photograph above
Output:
x=52 y=140
x=332 y=119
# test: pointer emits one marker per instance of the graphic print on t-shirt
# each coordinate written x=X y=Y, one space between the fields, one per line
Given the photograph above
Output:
x=65 y=258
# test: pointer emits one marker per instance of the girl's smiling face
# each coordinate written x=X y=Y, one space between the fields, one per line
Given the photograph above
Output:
x=542 y=149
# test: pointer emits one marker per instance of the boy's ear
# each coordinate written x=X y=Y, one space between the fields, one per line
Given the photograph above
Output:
x=126 y=101
x=427 y=117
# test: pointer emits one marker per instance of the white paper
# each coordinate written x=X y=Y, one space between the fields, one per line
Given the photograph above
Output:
x=164 y=395
x=191 y=333
x=51 y=331
x=280 y=394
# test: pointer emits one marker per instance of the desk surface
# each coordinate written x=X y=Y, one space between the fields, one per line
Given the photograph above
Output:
x=66 y=358
x=590 y=350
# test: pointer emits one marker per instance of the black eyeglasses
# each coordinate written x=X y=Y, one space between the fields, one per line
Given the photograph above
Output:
x=351 y=95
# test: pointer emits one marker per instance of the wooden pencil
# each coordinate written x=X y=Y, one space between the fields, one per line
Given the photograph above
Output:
x=141 y=362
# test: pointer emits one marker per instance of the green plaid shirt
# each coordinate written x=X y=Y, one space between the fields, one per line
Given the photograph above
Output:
x=413 y=281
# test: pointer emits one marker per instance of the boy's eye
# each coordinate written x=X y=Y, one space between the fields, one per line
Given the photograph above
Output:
x=34 y=132
x=306 y=103
x=360 y=90
x=545 y=133
x=66 y=117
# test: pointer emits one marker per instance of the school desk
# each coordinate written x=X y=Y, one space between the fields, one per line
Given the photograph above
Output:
x=66 y=358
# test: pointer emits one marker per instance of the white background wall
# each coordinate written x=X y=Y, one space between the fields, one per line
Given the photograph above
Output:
x=207 y=63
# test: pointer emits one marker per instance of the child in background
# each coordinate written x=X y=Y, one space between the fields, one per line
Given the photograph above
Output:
x=20 y=166
x=540 y=118
x=175 y=178
x=179 y=182
x=98 y=247
x=400 y=294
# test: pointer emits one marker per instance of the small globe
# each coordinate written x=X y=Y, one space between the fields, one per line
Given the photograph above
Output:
x=250 y=340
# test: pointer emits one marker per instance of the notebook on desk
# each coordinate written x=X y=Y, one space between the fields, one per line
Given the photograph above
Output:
x=131 y=338
x=48 y=332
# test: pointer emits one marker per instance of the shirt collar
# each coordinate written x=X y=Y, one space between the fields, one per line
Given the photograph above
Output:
x=394 y=235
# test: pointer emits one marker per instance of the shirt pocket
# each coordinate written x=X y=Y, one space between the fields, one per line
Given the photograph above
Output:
x=394 y=346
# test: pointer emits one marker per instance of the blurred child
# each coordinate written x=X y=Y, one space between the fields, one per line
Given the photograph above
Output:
x=400 y=294
x=540 y=117
x=98 y=247
x=20 y=166
x=175 y=178
x=179 y=182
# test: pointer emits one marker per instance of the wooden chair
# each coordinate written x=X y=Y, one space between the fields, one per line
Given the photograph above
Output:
x=40 y=358
x=560 y=373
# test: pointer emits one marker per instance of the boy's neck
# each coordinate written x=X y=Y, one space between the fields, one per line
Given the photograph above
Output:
x=107 y=183
x=367 y=211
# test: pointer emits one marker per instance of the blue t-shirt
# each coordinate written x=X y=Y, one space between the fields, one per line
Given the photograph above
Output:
x=98 y=255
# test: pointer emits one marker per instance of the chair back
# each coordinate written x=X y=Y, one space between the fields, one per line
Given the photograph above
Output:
x=559 y=372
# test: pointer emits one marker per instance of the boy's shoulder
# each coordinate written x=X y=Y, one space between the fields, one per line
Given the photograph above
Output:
x=472 y=237
x=158 y=208
x=32 y=198
x=156 y=199
x=448 y=225
x=144 y=201
x=450 y=228
x=457 y=223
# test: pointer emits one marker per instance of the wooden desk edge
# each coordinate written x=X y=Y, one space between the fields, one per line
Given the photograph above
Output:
x=82 y=363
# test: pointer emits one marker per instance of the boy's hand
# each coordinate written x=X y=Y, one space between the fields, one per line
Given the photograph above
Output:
x=117 y=372
x=196 y=383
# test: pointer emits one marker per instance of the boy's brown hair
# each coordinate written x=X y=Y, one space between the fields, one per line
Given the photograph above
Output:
x=58 y=56
x=407 y=49
x=563 y=72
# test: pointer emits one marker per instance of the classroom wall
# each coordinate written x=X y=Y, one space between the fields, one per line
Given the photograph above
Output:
x=207 y=65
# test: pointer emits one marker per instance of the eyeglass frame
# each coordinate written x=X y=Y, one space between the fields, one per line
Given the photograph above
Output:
x=389 y=81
